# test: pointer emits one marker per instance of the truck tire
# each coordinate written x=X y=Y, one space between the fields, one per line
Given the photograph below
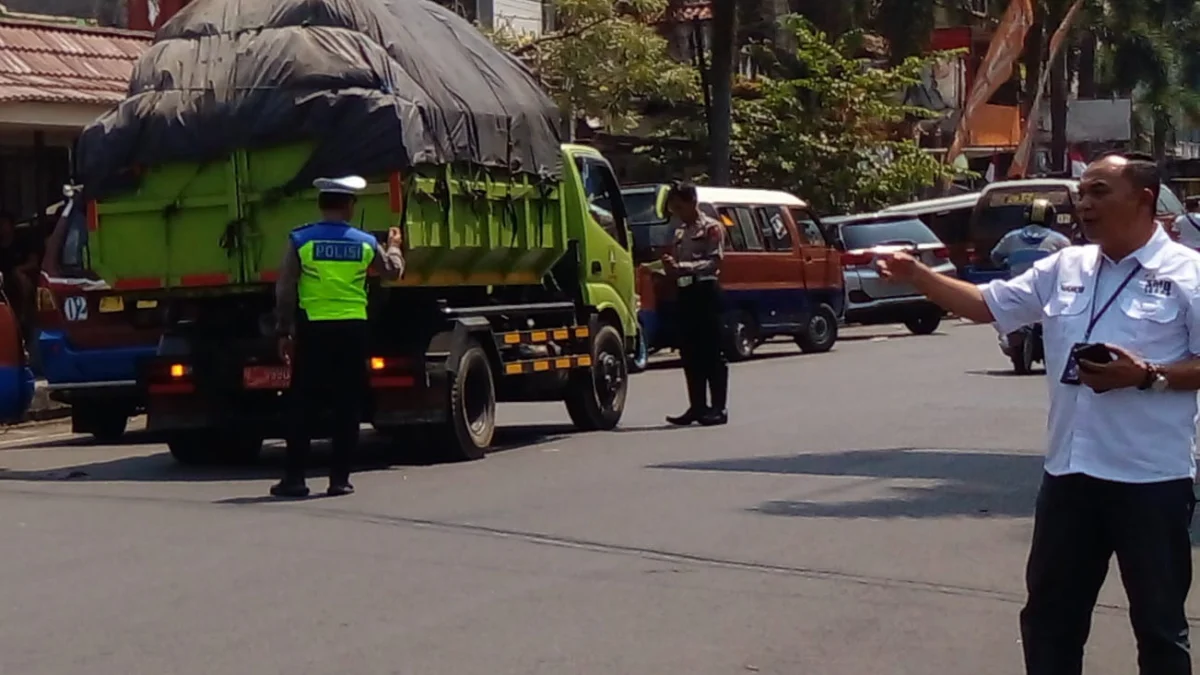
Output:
x=820 y=333
x=596 y=396
x=209 y=448
x=468 y=433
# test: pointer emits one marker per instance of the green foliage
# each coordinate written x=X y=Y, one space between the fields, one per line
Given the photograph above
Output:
x=1151 y=49
x=828 y=134
x=604 y=59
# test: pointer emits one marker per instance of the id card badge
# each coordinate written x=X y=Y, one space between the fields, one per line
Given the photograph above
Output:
x=1070 y=373
x=685 y=281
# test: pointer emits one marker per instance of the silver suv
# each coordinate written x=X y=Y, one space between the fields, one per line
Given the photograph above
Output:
x=872 y=300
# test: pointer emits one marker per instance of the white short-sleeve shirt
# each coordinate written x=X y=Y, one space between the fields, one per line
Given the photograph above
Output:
x=1126 y=435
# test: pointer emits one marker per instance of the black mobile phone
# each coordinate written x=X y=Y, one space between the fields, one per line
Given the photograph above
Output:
x=1093 y=352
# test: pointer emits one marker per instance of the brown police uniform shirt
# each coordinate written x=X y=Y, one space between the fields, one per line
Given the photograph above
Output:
x=699 y=247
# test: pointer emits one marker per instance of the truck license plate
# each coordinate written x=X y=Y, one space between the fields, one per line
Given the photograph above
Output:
x=267 y=377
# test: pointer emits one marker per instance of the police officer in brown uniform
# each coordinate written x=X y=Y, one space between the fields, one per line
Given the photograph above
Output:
x=695 y=265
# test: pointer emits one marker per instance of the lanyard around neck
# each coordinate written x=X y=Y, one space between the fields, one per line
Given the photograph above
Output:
x=1095 y=316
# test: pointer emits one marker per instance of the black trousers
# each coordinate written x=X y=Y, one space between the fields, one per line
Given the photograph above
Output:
x=700 y=329
x=1079 y=524
x=329 y=379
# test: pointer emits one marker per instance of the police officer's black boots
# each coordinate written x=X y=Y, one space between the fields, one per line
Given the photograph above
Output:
x=697 y=394
x=719 y=381
x=290 y=487
x=339 y=486
x=293 y=483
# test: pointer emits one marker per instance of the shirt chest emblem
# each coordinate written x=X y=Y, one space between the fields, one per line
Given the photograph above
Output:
x=1159 y=288
x=1070 y=288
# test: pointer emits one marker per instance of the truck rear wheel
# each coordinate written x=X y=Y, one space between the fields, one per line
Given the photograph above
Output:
x=205 y=448
x=596 y=396
x=468 y=433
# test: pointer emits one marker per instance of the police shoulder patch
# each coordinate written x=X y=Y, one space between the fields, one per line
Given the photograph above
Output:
x=337 y=251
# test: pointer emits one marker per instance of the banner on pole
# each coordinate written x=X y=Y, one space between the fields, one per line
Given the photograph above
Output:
x=1020 y=163
x=1002 y=54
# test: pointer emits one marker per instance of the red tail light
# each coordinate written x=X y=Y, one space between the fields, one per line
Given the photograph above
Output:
x=857 y=259
x=942 y=253
x=170 y=378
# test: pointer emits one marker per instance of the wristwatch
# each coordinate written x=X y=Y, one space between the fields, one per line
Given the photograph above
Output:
x=1155 y=380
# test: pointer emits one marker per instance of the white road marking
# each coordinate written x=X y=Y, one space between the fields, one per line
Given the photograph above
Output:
x=33 y=438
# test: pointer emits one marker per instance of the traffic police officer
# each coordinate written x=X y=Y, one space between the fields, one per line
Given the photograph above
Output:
x=695 y=264
x=324 y=271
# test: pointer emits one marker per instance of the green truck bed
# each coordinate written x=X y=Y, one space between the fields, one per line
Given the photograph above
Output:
x=225 y=224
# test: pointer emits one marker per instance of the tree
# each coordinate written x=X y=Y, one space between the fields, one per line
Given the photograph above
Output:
x=906 y=24
x=1149 y=50
x=828 y=134
x=604 y=59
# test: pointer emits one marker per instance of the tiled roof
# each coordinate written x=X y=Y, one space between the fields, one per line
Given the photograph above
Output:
x=49 y=63
x=693 y=10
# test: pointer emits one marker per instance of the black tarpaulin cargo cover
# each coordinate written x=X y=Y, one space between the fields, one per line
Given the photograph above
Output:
x=379 y=85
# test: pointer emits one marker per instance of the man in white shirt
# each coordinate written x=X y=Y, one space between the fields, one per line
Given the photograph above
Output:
x=1119 y=468
x=1188 y=225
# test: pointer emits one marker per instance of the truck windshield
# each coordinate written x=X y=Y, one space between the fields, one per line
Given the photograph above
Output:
x=910 y=231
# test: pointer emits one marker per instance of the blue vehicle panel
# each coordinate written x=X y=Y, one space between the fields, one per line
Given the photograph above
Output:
x=63 y=364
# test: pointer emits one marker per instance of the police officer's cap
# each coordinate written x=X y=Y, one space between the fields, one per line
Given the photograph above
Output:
x=1042 y=212
x=346 y=185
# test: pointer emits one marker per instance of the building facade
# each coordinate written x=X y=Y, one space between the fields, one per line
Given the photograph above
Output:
x=55 y=79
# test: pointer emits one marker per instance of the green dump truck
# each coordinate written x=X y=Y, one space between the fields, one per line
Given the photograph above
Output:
x=519 y=283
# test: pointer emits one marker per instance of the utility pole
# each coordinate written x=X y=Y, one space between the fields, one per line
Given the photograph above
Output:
x=1059 y=90
x=720 y=127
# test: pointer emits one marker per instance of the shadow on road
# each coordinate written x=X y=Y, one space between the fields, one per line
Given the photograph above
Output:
x=868 y=337
x=670 y=363
x=666 y=359
x=376 y=453
x=1036 y=372
x=972 y=483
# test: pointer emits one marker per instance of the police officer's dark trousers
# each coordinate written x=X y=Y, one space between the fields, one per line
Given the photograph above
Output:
x=1079 y=524
x=329 y=382
x=704 y=366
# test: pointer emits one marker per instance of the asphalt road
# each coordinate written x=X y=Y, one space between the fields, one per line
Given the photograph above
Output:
x=866 y=511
